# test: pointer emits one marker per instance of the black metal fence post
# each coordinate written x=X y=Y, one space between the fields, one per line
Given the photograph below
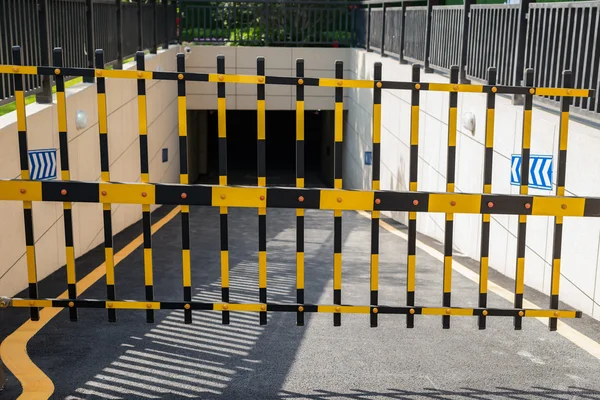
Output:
x=119 y=20
x=267 y=24
x=45 y=96
x=89 y=15
x=402 y=24
x=154 y=48
x=383 y=30
x=166 y=11
x=430 y=4
x=520 y=49
x=140 y=30
x=368 y=44
x=465 y=41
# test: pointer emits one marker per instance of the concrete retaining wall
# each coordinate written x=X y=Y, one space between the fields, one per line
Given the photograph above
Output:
x=84 y=158
x=580 y=279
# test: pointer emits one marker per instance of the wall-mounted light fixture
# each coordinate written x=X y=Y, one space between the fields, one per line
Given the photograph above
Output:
x=81 y=119
x=468 y=122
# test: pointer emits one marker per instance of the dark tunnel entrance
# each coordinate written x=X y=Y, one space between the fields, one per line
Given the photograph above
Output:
x=280 y=127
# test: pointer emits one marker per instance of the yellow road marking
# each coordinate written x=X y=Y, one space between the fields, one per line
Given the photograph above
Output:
x=570 y=333
x=13 y=350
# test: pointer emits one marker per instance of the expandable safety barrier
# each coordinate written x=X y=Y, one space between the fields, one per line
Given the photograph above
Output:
x=299 y=198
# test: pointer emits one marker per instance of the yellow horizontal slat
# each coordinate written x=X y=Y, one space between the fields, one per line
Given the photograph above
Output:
x=564 y=92
x=225 y=78
x=550 y=313
x=447 y=311
x=345 y=309
x=451 y=87
x=131 y=193
x=454 y=203
x=558 y=206
x=31 y=303
x=239 y=307
x=134 y=305
x=123 y=74
x=346 y=83
x=346 y=200
x=239 y=197
x=12 y=190
x=18 y=69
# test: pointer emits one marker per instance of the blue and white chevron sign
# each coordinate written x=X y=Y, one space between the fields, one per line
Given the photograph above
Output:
x=42 y=164
x=540 y=171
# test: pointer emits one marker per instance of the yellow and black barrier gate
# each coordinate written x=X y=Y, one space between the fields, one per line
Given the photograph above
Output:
x=299 y=198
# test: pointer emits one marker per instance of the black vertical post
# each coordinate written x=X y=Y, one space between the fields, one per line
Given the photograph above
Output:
x=383 y=31
x=167 y=22
x=119 y=16
x=140 y=31
x=89 y=16
x=403 y=23
x=465 y=41
x=154 y=48
x=368 y=44
x=45 y=96
x=430 y=4
x=520 y=50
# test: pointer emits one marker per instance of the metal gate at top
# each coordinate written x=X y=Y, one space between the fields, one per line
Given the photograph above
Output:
x=261 y=197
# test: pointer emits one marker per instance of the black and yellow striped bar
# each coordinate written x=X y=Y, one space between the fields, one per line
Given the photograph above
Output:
x=413 y=175
x=262 y=182
x=522 y=230
x=375 y=186
x=337 y=184
x=186 y=262
x=61 y=103
x=289 y=197
x=222 y=138
x=105 y=177
x=450 y=177
x=24 y=163
x=563 y=138
x=291 y=81
x=145 y=178
x=300 y=184
x=287 y=307
x=488 y=158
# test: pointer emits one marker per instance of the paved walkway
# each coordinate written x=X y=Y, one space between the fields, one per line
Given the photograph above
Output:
x=92 y=359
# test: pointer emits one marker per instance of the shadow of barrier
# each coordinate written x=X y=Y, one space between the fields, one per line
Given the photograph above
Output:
x=262 y=197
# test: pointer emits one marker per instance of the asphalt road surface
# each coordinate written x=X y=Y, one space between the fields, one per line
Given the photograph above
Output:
x=130 y=359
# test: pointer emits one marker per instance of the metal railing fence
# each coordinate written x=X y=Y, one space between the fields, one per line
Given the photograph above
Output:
x=415 y=37
x=393 y=30
x=562 y=37
x=547 y=37
x=40 y=25
x=492 y=41
x=446 y=36
x=268 y=23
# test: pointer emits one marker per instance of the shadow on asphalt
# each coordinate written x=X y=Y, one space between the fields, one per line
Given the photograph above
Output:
x=94 y=359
